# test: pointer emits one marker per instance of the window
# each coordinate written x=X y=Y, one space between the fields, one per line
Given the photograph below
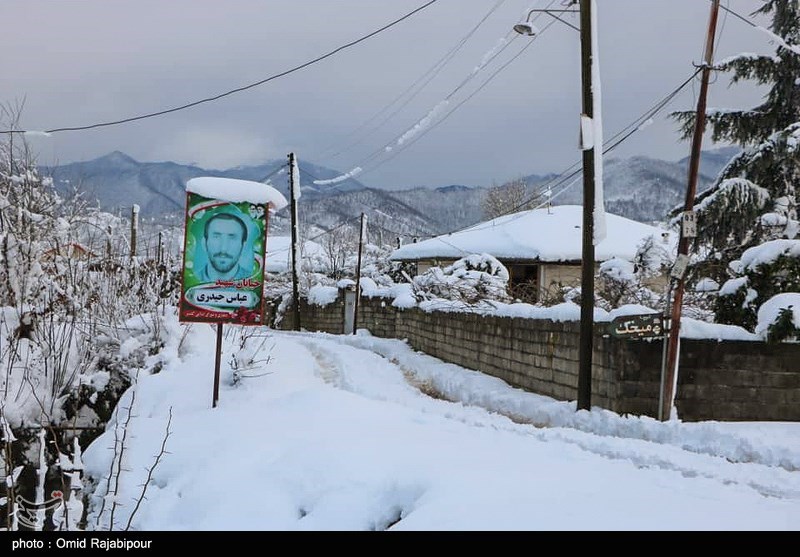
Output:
x=524 y=282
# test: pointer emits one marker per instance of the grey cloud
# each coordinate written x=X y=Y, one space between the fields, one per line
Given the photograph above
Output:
x=93 y=60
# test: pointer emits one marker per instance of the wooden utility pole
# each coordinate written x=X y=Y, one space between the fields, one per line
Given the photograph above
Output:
x=362 y=238
x=294 y=192
x=587 y=254
x=134 y=228
x=160 y=250
x=687 y=231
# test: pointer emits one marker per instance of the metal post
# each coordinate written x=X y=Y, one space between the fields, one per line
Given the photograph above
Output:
x=587 y=254
x=134 y=228
x=216 y=366
x=664 y=345
x=361 y=239
x=295 y=251
x=691 y=191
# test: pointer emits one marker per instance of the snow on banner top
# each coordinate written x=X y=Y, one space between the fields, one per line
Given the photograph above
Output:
x=237 y=191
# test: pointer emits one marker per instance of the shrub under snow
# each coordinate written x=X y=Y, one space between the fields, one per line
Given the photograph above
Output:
x=779 y=318
x=471 y=279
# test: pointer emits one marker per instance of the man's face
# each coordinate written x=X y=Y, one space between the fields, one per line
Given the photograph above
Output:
x=224 y=244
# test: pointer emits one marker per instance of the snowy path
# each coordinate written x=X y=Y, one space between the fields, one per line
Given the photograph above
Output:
x=340 y=433
x=347 y=366
x=751 y=442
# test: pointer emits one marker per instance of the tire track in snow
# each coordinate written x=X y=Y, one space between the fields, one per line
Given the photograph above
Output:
x=493 y=394
x=335 y=358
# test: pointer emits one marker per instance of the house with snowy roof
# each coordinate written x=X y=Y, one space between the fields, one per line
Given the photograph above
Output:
x=542 y=248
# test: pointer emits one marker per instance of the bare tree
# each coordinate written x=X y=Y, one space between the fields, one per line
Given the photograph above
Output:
x=338 y=244
x=511 y=197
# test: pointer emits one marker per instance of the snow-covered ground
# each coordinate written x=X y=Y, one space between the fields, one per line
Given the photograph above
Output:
x=361 y=433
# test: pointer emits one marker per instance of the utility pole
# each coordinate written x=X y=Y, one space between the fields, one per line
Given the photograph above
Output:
x=587 y=254
x=362 y=238
x=134 y=228
x=687 y=225
x=294 y=191
x=160 y=249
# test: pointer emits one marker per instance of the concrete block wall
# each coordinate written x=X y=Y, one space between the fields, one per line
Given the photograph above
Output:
x=717 y=381
x=751 y=381
x=327 y=319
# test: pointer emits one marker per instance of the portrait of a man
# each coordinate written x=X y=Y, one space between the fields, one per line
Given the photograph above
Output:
x=224 y=239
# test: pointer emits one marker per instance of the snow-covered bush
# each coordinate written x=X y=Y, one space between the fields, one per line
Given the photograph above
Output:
x=68 y=288
x=779 y=318
x=620 y=282
x=763 y=272
x=471 y=280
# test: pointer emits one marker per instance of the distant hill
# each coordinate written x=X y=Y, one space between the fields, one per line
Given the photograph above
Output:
x=640 y=188
x=646 y=189
x=117 y=180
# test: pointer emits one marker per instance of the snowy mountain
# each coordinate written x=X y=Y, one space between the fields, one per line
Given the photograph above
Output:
x=646 y=189
x=116 y=180
x=639 y=188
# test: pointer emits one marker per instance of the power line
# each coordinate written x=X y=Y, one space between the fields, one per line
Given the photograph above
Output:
x=446 y=116
x=450 y=95
x=419 y=136
x=273 y=173
x=737 y=15
x=430 y=74
x=238 y=89
x=307 y=173
x=617 y=139
x=389 y=146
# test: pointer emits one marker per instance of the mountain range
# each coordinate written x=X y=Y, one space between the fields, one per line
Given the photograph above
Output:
x=640 y=188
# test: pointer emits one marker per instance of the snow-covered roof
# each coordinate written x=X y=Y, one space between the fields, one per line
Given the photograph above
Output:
x=237 y=191
x=537 y=235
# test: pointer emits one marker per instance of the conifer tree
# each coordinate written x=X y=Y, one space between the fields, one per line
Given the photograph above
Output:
x=754 y=199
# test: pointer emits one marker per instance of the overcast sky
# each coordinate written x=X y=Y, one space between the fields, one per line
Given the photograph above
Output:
x=85 y=61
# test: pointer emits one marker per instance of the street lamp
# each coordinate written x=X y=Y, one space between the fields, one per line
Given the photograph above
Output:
x=527 y=28
x=588 y=147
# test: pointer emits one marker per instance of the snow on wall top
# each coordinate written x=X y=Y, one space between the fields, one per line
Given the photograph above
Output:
x=237 y=191
x=536 y=235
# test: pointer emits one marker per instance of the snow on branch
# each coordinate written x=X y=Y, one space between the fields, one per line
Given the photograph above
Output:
x=748 y=56
x=735 y=192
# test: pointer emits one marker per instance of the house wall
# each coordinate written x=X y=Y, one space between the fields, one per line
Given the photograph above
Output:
x=567 y=275
x=717 y=380
x=423 y=266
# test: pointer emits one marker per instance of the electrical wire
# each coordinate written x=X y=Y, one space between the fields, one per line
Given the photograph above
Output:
x=616 y=140
x=430 y=74
x=398 y=150
x=375 y=154
x=737 y=15
x=450 y=113
x=238 y=89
